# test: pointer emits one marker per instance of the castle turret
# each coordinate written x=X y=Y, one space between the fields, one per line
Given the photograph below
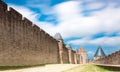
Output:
x=58 y=37
x=99 y=53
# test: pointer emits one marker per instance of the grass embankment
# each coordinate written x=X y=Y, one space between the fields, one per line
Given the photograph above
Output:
x=87 y=68
x=18 y=67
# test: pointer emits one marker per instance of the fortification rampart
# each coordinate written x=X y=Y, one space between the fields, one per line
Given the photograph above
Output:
x=22 y=42
x=65 y=55
x=72 y=56
x=112 y=59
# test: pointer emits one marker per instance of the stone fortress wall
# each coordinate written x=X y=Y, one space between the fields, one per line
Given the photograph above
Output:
x=112 y=59
x=65 y=55
x=22 y=42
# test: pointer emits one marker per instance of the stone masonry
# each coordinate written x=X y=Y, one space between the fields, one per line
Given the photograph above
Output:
x=113 y=59
x=22 y=42
x=82 y=57
x=67 y=55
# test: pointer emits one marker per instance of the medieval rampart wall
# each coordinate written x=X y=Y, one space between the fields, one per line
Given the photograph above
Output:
x=65 y=55
x=113 y=59
x=72 y=56
x=22 y=42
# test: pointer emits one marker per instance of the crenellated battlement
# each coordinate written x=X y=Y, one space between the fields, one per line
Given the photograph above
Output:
x=15 y=14
x=26 y=21
x=22 y=42
x=36 y=27
x=3 y=5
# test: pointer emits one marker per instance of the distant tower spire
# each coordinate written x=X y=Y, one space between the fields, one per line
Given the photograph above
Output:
x=99 y=53
x=58 y=36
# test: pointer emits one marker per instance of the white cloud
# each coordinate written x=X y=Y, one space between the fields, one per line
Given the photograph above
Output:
x=26 y=12
x=106 y=41
x=93 y=5
x=42 y=5
x=32 y=16
x=73 y=24
x=67 y=11
x=90 y=53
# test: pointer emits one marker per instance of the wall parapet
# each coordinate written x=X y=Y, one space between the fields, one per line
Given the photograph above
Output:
x=3 y=5
x=15 y=13
x=110 y=59
x=22 y=42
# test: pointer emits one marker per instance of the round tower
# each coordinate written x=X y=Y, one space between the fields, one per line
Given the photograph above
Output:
x=58 y=37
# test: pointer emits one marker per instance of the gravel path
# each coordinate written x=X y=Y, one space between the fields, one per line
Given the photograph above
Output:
x=47 y=68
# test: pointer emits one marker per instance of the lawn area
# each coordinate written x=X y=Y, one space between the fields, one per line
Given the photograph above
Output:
x=87 y=68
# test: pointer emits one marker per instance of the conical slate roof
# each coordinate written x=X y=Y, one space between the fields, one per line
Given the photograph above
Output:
x=99 y=53
x=58 y=36
x=68 y=46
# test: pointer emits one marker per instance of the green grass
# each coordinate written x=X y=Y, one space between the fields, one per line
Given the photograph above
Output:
x=87 y=68
x=18 y=67
x=94 y=68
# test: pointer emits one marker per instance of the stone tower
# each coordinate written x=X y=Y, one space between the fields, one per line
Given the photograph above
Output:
x=70 y=54
x=58 y=37
x=83 y=57
x=99 y=53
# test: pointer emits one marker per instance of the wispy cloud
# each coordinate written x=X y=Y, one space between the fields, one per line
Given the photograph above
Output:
x=31 y=15
x=76 y=25
x=106 y=41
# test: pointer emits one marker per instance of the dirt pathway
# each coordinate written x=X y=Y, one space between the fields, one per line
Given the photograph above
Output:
x=47 y=68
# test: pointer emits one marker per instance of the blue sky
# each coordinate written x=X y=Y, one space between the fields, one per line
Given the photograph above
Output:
x=82 y=23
